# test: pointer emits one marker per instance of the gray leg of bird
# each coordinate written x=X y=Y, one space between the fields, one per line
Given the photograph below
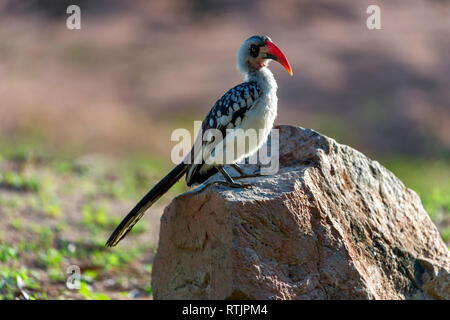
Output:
x=229 y=181
x=242 y=173
x=238 y=169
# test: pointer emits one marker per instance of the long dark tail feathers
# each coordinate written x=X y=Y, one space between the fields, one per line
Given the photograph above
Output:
x=146 y=202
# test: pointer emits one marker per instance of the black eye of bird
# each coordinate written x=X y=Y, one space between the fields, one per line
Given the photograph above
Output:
x=254 y=50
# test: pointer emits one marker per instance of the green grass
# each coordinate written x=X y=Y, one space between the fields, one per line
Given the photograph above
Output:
x=430 y=178
x=14 y=180
x=8 y=253
x=16 y=223
x=45 y=199
x=12 y=280
x=86 y=293
x=422 y=175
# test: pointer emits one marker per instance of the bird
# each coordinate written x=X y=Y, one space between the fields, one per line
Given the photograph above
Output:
x=249 y=105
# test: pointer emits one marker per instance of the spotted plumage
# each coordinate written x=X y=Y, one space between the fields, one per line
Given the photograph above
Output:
x=233 y=104
x=227 y=113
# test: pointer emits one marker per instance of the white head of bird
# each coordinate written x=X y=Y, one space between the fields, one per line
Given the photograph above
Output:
x=256 y=53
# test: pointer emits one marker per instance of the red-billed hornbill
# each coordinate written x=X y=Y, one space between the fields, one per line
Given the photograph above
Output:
x=249 y=105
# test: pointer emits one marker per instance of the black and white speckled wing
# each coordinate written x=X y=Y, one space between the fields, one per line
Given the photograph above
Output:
x=227 y=113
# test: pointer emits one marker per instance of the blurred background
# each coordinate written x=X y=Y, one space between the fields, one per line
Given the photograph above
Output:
x=86 y=115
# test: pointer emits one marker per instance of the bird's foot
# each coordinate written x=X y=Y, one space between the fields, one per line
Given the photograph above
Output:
x=232 y=184
x=243 y=176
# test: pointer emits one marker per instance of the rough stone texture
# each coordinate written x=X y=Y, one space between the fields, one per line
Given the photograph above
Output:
x=332 y=224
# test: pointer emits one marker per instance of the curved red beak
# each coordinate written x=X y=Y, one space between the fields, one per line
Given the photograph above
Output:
x=273 y=52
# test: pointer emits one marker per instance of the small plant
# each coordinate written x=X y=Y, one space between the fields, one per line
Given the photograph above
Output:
x=95 y=216
x=8 y=253
x=50 y=259
x=56 y=274
x=14 y=281
x=14 y=180
x=148 y=289
x=16 y=223
x=52 y=208
x=89 y=275
x=85 y=292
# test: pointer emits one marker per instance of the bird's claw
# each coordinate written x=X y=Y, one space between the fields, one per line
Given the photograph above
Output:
x=244 y=176
x=232 y=185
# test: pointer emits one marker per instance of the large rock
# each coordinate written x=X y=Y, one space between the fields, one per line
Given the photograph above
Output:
x=332 y=224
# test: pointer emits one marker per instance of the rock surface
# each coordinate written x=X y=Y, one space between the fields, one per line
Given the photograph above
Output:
x=331 y=224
